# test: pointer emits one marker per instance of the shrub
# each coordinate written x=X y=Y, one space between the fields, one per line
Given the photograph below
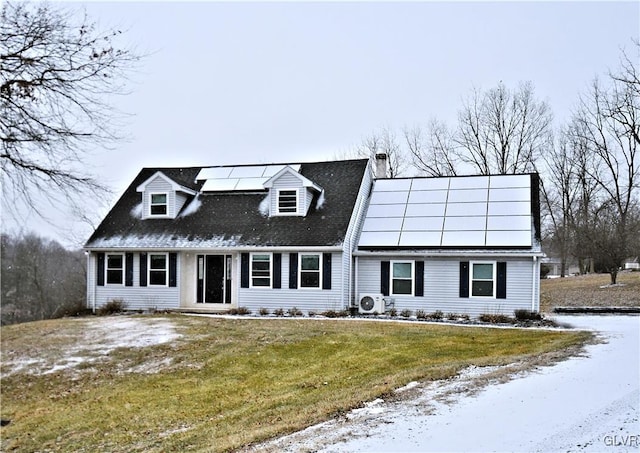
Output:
x=452 y=316
x=496 y=318
x=406 y=313
x=112 y=307
x=464 y=317
x=393 y=312
x=437 y=315
x=278 y=312
x=312 y=314
x=335 y=314
x=294 y=311
x=527 y=315
x=421 y=314
x=264 y=311
x=239 y=311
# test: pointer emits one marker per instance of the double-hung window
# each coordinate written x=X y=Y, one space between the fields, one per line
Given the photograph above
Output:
x=158 y=204
x=402 y=278
x=261 y=270
x=115 y=269
x=288 y=201
x=158 y=269
x=483 y=279
x=310 y=270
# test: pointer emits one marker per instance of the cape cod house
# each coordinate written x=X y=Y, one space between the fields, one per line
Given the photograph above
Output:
x=318 y=236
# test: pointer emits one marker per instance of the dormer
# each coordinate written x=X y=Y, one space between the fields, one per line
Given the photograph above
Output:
x=162 y=197
x=290 y=193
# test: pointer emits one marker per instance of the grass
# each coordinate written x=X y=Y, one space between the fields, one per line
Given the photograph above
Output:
x=590 y=291
x=234 y=382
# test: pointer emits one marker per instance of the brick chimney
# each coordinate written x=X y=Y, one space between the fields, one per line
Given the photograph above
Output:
x=381 y=166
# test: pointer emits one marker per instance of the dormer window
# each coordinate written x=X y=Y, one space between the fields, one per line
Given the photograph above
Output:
x=288 y=201
x=158 y=204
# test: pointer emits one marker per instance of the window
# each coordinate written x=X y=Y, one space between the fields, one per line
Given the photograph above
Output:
x=402 y=278
x=158 y=205
x=115 y=269
x=158 y=269
x=260 y=270
x=483 y=279
x=288 y=201
x=310 y=271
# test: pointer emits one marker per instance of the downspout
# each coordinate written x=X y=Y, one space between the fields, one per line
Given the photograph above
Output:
x=534 y=289
x=356 y=283
x=91 y=292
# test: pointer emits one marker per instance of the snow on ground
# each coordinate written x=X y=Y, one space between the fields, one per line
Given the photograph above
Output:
x=588 y=403
x=96 y=339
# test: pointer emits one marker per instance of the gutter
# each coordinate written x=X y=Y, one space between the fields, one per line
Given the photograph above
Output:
x=302 y=248
x=447 y=254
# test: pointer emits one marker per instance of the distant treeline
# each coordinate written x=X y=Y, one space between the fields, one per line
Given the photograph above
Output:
x=40 y=279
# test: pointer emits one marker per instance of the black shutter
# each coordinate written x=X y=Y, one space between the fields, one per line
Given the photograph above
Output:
x=464 y=278
x=326 y=271
x=244 y=270
x=143 y=269
x=384 y=277
x=501 y=288
x=173 y=269
x=419 y=278
x=100 y=270
x=277 y=270
x=293 y=270
x=128 y=269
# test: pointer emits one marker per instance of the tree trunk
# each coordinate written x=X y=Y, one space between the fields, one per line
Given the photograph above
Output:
x=614 y=275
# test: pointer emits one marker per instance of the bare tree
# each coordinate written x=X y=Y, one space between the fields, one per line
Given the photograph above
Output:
x=503 y=131
x=432 y=152
x=40 y=279
x=385 y=142
x=608 y=121
x=56 y=76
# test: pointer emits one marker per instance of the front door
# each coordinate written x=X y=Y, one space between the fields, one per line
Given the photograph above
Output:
x=214 y=279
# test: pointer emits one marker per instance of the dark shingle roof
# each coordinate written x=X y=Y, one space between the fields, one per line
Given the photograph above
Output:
x=234 y=219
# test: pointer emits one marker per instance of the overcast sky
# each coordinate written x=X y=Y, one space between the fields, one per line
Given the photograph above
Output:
x=231 y=83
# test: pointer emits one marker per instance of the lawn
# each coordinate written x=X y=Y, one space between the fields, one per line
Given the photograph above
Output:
x=226 y=383
x=592 y=290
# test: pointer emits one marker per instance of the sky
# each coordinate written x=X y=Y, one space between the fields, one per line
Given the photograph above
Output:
x=242 y=82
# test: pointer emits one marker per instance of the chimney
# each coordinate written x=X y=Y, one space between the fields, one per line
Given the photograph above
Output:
x=381 y=166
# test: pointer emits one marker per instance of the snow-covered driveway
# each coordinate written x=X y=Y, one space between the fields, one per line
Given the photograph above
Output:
x=586 y=404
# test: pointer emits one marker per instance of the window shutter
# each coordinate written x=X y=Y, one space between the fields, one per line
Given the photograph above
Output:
x=326 y=271
x=293 y=270
x=277 y=271
x=143 y=269
x=419 y=278
x=100 y=270
x=464 y=278
x=128 y=269
x=501 y=287
x=384 y=277
x=244 y=270
x=173 y=269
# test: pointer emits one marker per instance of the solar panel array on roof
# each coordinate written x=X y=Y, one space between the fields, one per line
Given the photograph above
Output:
x=474 y=211
x=238 y=178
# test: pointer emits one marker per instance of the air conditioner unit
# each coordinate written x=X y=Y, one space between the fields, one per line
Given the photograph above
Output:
x=371 y=303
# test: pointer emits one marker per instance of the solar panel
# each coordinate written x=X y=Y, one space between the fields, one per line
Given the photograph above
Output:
x=239 y=178
x=474 y=211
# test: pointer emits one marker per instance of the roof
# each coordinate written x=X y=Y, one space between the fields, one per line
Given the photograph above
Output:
x=234 y=219
x=460 y=212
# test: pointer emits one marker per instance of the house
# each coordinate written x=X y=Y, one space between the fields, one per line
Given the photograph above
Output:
x=318 y=236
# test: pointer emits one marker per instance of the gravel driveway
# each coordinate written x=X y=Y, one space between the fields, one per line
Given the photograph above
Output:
x=585 y=404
